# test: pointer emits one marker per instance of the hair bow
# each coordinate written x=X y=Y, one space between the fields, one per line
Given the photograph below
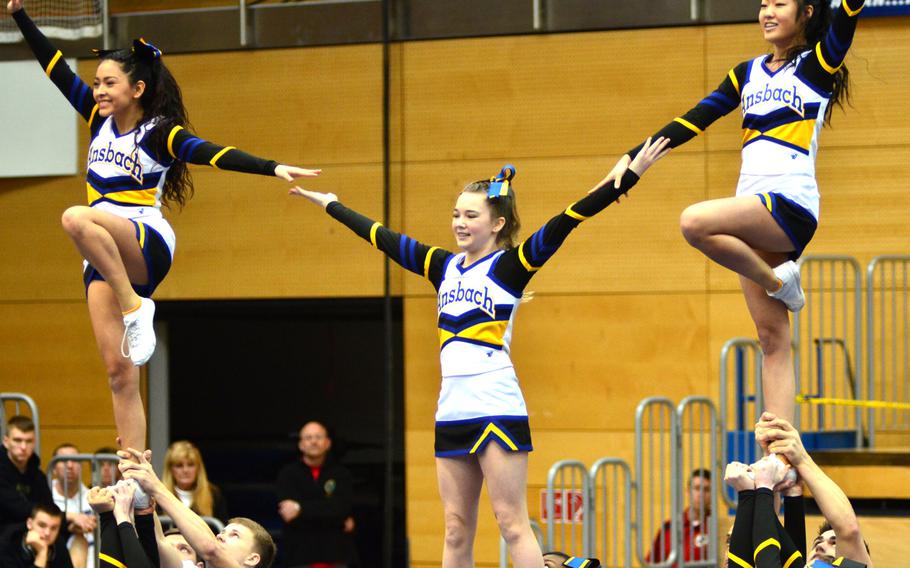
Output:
x=145 y=50
x=499 y=185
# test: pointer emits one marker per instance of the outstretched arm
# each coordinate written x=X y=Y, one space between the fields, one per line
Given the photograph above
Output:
x=70 y=85
x=782 y=438
x=681 y=129
x=518 y=265
x=187 y=147
x=421 y=259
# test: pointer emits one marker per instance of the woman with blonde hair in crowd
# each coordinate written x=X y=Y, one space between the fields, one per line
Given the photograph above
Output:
x=185 y=476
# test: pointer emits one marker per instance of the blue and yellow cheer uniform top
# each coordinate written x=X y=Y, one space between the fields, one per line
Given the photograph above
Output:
x=480 y=400
x=783 y=114
x=125 y=174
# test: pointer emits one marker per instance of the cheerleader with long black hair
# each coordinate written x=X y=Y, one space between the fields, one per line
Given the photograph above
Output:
x=140 y=145
x=482 y=430
x=786 y=97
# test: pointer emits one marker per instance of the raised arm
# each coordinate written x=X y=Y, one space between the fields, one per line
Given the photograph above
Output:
x=828 y=55
x=168 y=556
x=77 y=92
x=783 y=439
x=421 y=259
x=517 y=266
x=194 y=529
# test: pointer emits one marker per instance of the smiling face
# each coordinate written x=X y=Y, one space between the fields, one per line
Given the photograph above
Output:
x=473 y=224
x=112 y=89
x=783 y=21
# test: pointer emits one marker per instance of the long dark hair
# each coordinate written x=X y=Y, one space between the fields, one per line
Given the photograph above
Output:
x=163 y=102
x=502 y=206
x=814 y=31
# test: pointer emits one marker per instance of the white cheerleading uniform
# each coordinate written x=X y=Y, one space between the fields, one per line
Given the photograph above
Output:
x=125 y=180
x=475 y=316
x=783 y=114
x=480 y=400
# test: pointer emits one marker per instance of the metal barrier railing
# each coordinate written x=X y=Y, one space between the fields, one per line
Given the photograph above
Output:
x=888 y=341
x=570 y=536
x=747 y=361
x=94 y=461
x=656 y=420
x=610 y=537
x=698 y=431
x=18 y=399
x=827 y=336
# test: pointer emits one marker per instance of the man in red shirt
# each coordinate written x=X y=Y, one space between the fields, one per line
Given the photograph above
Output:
x=694 y=521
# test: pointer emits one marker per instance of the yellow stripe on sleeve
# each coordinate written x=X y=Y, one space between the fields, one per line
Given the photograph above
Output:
x=426 y=261
x=170 y=141
x=792 y=559
x=577 y=216
x=373 y=230
x=54 y=60
x=524 y=261
x=850 y=12
x=738 y=561
x=111 y=560
x=735 y=81
x=821 y=59
x=764 y=545
x=688 y=125
x=219 y=154
x=91 y=117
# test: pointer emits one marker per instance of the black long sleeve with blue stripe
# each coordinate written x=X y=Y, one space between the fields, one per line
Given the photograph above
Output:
x=818 y=69
x=514 y=269
x=181 y=144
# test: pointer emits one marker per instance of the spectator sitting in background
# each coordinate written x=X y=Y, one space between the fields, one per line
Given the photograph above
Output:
x=22 y=483
x=694 y=521
x=185 y=476
x=35 y=543
x=71 y=496
x=109 y=474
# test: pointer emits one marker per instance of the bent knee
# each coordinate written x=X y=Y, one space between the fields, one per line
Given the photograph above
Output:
x=511 y=526
x=693 y=224
x=75 y=218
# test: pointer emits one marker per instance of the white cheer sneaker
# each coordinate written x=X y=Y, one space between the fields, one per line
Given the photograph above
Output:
x=139 y=333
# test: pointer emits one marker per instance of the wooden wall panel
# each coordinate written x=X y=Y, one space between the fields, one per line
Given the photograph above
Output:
x=313 y=107
x=243 y=237
x=48 y=351
x=545 y=95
